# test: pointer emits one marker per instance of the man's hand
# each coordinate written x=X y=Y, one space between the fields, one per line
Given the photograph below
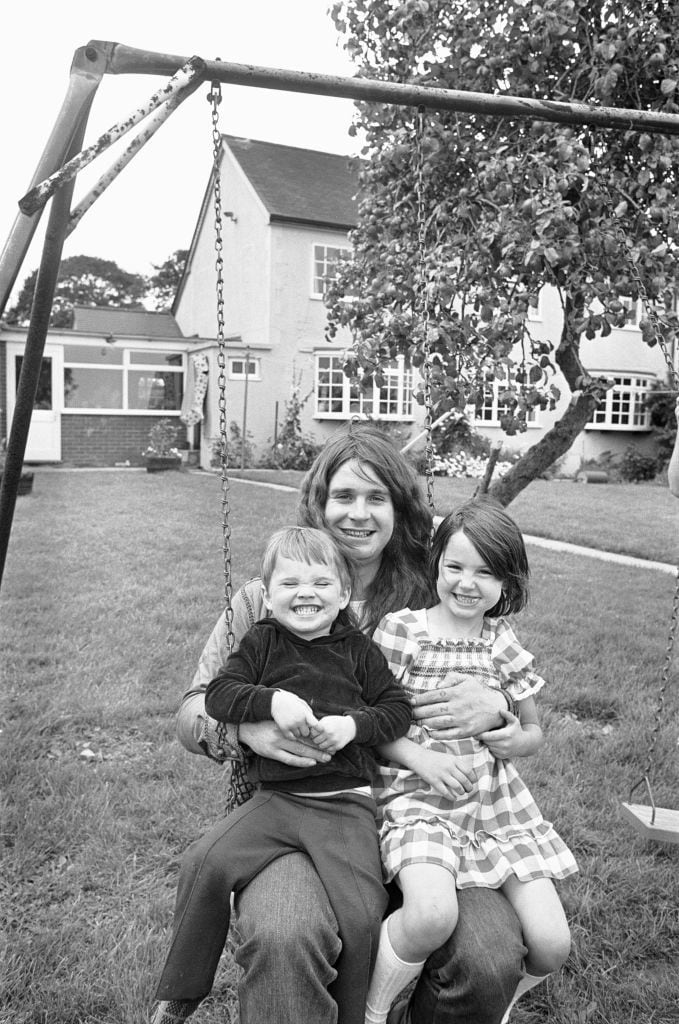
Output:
x=463 y=707
x=267 y=740
x=334 y=732
x=292 y=715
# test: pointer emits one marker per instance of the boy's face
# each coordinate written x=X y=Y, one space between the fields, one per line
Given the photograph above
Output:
x=306 y=597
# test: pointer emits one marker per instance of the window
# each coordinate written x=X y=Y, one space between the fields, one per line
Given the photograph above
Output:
x=325 y=266
x=632 y=316
x=623 y=406
x=492 y=410
x=122 y=380
x=337 y=397
x=241 y=367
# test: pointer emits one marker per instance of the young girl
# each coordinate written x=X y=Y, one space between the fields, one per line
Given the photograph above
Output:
x=455 y=813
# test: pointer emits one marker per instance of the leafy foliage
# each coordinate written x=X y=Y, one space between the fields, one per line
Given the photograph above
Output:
x=162 y=286
x=82 y=281
x=90 y=281
x=509 y=207
x=293 y=448
x=163 y=437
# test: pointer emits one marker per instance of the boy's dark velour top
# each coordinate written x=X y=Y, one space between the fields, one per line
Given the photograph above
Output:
x=341 y=673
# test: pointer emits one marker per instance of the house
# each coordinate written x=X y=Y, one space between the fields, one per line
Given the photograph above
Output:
x=103 y=384
x=286 y=214
x=286 y=217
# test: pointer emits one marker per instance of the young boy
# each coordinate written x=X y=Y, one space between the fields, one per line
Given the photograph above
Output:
x=315 y=674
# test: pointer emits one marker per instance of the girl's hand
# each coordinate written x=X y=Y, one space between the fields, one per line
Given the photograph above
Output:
x=333 y=732
x=292 y=715
x=509 y=741
x=442 y=772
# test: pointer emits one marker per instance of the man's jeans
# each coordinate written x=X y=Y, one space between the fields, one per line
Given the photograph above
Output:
x=289 y=944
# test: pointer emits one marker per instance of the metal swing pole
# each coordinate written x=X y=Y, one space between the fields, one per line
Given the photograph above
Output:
x=74 y=117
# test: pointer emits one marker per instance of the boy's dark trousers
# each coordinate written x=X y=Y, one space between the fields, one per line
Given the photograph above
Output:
x=338 y=834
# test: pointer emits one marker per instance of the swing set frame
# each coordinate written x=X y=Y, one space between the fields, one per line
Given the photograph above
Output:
x=62 y=159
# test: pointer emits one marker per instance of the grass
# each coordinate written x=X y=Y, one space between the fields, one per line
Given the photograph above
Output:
x=112 y=584
x=631 y=519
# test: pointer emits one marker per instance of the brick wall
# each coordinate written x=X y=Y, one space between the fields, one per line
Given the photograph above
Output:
x=104 y=440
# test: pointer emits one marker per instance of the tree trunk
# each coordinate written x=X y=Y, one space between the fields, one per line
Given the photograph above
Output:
x=546 y=451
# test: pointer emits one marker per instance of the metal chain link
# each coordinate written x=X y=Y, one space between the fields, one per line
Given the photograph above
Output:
x=652 y=315
x=215 y=98
x=422 y=300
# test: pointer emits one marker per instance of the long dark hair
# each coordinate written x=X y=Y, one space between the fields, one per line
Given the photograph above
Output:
x=498 y=540
x=400 y=580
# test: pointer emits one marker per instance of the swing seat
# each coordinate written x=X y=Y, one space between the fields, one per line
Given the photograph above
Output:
x=665 y=828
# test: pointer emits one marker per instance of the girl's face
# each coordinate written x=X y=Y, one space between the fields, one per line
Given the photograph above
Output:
x=359 y=512
x=466 y=587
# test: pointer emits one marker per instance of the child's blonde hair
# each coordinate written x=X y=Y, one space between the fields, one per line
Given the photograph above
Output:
x=304 y=544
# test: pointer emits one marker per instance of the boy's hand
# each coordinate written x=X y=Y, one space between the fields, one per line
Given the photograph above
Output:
x=292 y=715
x=333 y=732
x=507 y=741
x=443 y=773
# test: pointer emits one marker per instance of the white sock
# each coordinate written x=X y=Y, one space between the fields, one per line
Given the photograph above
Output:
x=526 y=983
x=391 y=974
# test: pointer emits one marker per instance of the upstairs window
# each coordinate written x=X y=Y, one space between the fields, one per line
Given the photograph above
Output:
x=326 y=259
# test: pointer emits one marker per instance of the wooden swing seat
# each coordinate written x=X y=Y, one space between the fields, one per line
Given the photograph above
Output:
x=665 y=828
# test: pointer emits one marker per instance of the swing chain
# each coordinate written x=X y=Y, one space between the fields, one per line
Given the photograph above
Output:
x=664 y=680
x=215 y=98
x=422 y=299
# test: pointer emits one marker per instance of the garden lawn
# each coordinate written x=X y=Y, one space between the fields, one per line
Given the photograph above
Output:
x=113 y=582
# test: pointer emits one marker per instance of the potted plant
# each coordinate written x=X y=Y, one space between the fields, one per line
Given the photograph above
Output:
x=25 y=480
x=161 y=452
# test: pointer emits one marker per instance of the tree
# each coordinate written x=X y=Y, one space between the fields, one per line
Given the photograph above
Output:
x=510 y=206
x=162 y=286
x=82 y=280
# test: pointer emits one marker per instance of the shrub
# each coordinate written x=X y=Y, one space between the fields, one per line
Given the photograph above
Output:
x=634 y=465
x=238 y=455
x=293 y=448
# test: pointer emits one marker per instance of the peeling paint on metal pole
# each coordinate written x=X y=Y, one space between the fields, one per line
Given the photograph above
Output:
x=146 y=133
x=38 y=196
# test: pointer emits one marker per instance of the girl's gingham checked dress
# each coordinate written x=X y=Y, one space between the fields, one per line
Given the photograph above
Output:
x=494 y=831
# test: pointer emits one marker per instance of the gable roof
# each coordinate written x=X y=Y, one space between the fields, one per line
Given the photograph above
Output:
x=299 y=185
x=135 y=323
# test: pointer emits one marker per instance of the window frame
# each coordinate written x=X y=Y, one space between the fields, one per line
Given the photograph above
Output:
x=124 y=368
x=252 y=360
x=341 y=249
x=398 y=392
x=620 y=394
x=532 y=416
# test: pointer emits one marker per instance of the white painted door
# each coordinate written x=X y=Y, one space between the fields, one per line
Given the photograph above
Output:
x=44 y=434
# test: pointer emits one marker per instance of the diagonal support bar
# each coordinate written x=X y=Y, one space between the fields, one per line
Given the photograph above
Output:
x=37 y=197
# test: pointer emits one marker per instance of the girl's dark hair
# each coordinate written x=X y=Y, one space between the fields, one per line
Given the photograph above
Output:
x=498 y=540
x=400 y=580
